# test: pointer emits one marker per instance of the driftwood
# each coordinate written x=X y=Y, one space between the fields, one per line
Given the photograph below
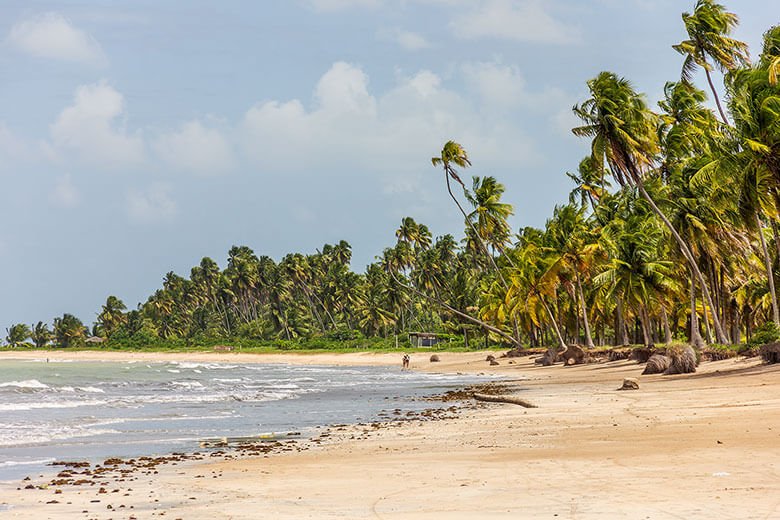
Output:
x=504 y=399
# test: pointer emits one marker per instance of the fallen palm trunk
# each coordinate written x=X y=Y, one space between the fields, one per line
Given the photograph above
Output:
x=504 y=399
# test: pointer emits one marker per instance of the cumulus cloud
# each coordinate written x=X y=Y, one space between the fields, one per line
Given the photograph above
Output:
x=391 y=135
x=407 y=40
x=503 y=86
x=92 y=129
x=53 y=36
x=517 y=20
x=195 y=148
x=151 y=205
x=64 y=194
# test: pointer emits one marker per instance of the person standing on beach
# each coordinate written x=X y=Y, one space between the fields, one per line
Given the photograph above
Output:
x=405 y=365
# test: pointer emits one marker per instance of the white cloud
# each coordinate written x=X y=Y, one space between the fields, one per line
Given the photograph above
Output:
x=391 y=136
x=51 y=35
x=151 y=205
x=344 y=90
x=407 y=40
x=503 y=87
x=336 y=5
x=64 y=194
x=517 y=20
x=495 y=83
x=196 y=148
x=91 y=128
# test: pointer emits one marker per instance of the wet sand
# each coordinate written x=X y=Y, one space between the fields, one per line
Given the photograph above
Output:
x=692 y=446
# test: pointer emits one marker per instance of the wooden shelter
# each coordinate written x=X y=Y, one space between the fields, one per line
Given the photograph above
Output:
x=423 y=339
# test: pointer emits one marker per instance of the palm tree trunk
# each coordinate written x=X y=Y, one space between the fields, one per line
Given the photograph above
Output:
x=665 y=322
x=716 y=97
x=621 y=335
x=720 y=336
x=696 y=340
x=473 y=229
x=561 y=342
x=459 y=313
x=643 y=322
x=769 y=274
x=588 y=338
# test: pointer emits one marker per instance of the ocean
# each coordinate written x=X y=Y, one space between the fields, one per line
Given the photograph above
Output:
x=75 y=410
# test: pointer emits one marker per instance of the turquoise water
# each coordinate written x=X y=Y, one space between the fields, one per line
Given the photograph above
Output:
x=92 y=410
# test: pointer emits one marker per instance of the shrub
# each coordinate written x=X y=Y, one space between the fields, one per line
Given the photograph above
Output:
x=766 y=333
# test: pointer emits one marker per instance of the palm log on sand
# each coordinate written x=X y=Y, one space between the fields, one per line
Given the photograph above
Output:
x=504 y=399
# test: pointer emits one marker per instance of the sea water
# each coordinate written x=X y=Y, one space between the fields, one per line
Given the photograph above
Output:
x=93 y=410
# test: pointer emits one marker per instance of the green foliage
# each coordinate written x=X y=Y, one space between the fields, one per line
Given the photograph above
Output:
x=766 y=333
x=17 y=335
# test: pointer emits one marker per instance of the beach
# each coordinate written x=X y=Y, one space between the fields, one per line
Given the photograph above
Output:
x=691 y=446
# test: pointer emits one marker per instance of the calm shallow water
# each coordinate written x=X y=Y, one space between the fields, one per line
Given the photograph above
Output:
x=93 y=410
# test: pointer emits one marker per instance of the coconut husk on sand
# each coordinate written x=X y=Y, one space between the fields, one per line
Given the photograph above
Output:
x=573 y=355
x=657 y=364
x=771 y=353
x=683 y=360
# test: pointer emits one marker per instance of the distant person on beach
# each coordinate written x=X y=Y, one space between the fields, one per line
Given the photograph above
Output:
x=406 y=362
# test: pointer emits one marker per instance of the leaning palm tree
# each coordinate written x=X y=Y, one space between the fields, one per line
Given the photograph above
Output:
x=452 y=155
x=708 y=31
x=623 y=132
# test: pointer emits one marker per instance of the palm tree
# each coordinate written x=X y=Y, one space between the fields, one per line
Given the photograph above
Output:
x=490 y=214
x=111 y=317
x=590 y=184
x=635 y=272
x=69 y=331
x=453 y=154
x=40 y=334
x=708 y=31
x=623 y=132
x=17 y=334
x=575 y=249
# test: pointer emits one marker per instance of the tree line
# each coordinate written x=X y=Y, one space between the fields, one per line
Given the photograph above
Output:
x=669 y=234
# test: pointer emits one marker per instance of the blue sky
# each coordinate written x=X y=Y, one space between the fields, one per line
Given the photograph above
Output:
x=138 y=136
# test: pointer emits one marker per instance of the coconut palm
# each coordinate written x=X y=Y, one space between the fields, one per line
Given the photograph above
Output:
x=17 y=334
x=111 y=316
x=590 y=183
x=575 y=248
x=452 y=155
x=40 y=334
x=623 y=132
x=709 y=28
x=69 y=331
x=490 y=214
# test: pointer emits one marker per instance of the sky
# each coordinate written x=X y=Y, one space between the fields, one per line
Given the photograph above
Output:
x=137 y=137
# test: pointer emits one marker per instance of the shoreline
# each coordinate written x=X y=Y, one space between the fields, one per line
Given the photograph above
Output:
x=451 y=362
x=694 y=446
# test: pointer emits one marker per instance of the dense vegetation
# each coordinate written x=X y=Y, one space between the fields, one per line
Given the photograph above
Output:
x=670 y=234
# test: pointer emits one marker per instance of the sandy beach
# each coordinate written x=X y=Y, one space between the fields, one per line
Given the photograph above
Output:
x=696 y=446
